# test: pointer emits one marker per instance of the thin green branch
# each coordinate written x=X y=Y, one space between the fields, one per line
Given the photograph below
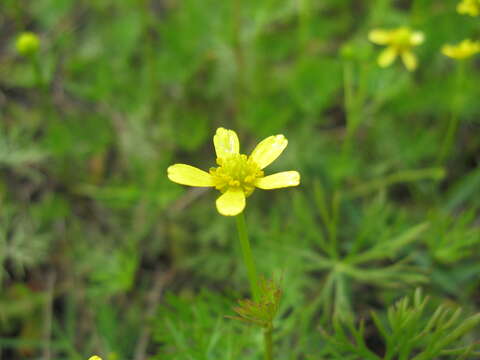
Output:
x=247 y=256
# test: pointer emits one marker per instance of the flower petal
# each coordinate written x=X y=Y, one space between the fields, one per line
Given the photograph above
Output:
x=232 y=202
x=268 y=150
x=417 y=38
x=449 y=50
x=226 y=142
x=189 y=175
x=380 y=37
x=410 y=60
x=387 y=57
x=463 y=50
x=468 y=7
x=279 y=180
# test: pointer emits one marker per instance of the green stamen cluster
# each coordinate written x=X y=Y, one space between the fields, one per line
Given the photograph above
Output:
x=237 y=170
x=402 y=39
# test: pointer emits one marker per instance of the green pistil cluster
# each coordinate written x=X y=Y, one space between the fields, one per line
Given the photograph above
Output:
x=402 y=39
x=236 y=171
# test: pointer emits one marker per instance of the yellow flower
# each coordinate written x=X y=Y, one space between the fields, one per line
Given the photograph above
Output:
x=469 y=7
x=237 y=175
x=399 y=43
x=463 y=50
x=95 y=357
x=27 y=43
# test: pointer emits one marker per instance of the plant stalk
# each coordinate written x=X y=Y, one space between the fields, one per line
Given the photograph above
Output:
x=238 y=51
x=454 y=120
x=305 y=13
x=38 y=73
x=253 y=279
x=267 y=339
x=247 y=256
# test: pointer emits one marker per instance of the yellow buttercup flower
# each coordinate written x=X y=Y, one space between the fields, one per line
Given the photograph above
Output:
x=469 y=7
x=95 y=357
x=237 y=175
x=463 y=50
x=399 y=42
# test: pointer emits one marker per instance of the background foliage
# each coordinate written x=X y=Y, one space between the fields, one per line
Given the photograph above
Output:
x=100 y=253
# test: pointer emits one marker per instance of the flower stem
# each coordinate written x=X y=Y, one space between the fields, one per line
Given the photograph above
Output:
x=454 y=120
x=449 y=137
x=37 y=70
x=267 y=339
x=350 y=105
x=253 y=278
x=238 y=52
x=304 y=13
x=247 y=256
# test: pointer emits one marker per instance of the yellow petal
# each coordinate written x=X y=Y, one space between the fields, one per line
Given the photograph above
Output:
x=410 y=60
x=95 y=357
x=268 y=150
x=279 y=180
x=226 y=142
x=232 y=202
x=387 y=57
x=463 y=50
x=450 y=51
x=469 y=7
x=417 y=38
x=189 y=175
x=380 y=37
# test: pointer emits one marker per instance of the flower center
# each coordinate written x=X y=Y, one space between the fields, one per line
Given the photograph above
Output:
x=236 y=171
x=402 y=39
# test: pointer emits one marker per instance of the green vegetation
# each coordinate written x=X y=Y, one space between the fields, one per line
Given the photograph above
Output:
x=375 y=256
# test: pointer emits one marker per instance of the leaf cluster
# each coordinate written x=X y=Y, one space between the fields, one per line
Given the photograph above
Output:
x=410 y=331
x=262 y=312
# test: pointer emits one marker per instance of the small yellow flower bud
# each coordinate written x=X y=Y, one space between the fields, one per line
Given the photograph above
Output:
x=95 y=357
x=27 y=43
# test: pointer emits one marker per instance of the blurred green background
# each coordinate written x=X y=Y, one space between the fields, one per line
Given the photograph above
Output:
x=100 y=253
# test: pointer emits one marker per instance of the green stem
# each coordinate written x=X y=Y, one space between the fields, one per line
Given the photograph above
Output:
x=253 y=278
x=149 y=45
x=37 y=70
x=267 y=339
x=449 y=137
x=349 y=105
x=454 y=117
x=238 y=52
x=247 y=256
x=416 y=12
x=304 y=10
x=355 y=84
x=41 y=84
